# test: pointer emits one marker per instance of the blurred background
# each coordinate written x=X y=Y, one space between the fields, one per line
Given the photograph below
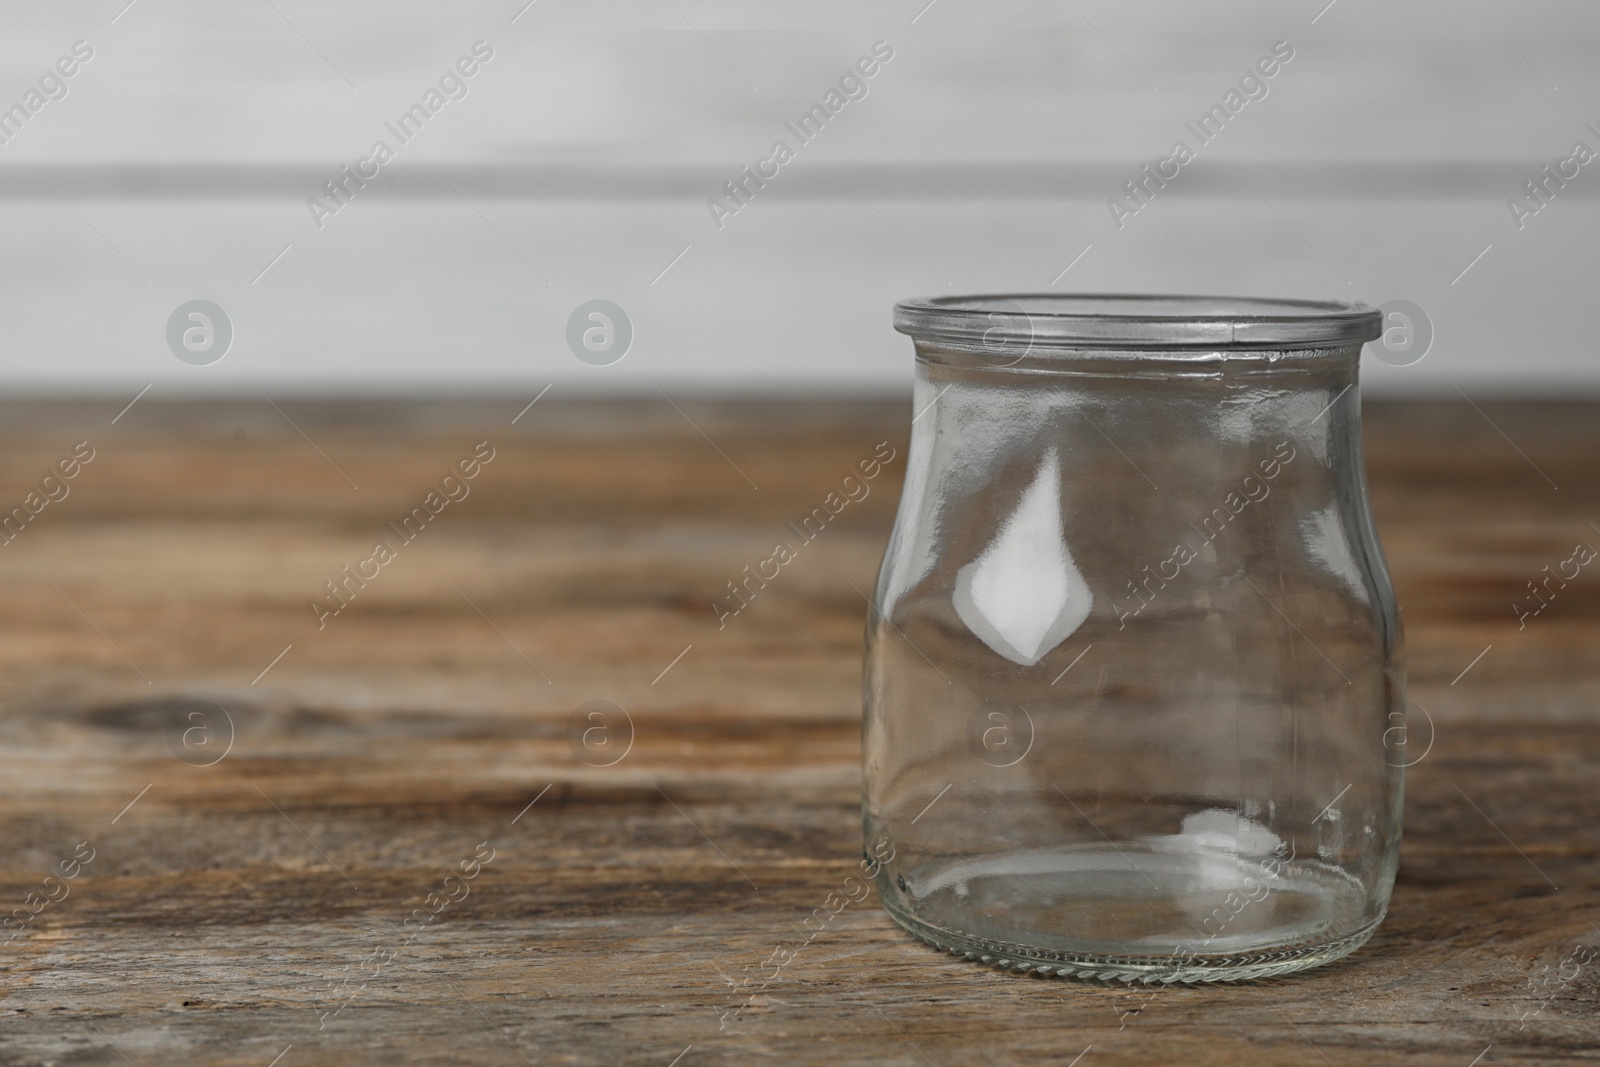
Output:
x=179 y=161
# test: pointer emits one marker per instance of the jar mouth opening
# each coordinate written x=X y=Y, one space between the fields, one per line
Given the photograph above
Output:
x=1020 y=321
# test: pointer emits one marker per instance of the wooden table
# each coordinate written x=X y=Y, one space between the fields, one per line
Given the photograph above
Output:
x=248 y=902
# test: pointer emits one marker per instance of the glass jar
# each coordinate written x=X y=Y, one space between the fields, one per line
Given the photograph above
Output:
x=1134 y=698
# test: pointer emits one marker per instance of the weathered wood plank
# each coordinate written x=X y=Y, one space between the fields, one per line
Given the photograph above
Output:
x=228 y=913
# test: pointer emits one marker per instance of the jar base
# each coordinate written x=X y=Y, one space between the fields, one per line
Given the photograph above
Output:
x=1132 y=969
x=1167 y=916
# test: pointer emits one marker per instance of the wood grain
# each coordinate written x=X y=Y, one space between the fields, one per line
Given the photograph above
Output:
x=257 y=905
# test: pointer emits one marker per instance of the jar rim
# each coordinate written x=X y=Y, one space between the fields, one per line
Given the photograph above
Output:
x=1135 y=320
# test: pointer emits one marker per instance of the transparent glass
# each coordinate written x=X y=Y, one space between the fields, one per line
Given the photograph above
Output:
x=1134 y=696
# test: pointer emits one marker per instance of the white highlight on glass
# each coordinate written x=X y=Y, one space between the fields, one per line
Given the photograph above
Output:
x=1024 y=595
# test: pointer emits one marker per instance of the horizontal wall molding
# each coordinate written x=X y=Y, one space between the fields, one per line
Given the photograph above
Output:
x=1378 y=180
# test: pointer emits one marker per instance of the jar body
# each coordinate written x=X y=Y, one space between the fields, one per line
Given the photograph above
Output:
x=1133 y=688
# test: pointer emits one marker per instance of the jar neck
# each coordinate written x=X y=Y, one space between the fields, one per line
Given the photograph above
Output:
x=1309 y=367
x=1160 y=418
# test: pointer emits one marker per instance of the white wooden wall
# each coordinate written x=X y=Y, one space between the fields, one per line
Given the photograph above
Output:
x=578 y=165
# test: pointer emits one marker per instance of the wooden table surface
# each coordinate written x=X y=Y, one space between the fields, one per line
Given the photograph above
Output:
x=219 y=816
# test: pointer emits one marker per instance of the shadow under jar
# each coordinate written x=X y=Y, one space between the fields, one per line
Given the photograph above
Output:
x=1134 y=698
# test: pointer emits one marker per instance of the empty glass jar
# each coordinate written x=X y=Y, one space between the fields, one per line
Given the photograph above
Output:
x=1133 y=674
